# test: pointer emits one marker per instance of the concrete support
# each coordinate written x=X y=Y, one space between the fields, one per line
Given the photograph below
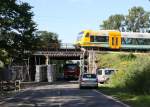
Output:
x=92 y=62
x=51 y=73
x=37 y=75
x=47 y=60
x=81 y=64
x=45 y=73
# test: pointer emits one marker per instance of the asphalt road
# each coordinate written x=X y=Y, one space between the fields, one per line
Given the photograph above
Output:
x=60 y=95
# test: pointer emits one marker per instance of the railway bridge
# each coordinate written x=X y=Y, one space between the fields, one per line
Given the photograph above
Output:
x=68 y=54
x=68 y=51
x=64 y=52
x=87 y=58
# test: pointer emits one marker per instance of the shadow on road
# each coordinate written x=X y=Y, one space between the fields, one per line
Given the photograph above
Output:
x=61 y=96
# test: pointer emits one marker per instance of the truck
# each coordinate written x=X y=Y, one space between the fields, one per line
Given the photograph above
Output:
x=71 y=71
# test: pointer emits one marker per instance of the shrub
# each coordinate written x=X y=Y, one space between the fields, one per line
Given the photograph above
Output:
x=133 y=71
x=137 y=78
x=127 y=57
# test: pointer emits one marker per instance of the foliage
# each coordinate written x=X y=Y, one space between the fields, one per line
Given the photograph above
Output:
x=137 y=78
x=4 y=58
x=45 y=39
x=134 y=77
x=113 y=22
x=134 y=100
x=106 y=59
x=128 y=57
x=16 y=27
x=133 y=71
x=137 y=20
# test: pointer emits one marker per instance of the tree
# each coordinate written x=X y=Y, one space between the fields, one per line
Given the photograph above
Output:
x=45 y=39
x=4 y=58
x=138 y=20
x=113 y=22
x=16 y=27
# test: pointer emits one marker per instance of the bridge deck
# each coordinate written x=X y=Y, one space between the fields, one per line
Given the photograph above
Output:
x=60 y=53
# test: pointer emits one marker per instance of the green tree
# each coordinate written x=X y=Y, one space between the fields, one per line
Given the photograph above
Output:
x=4 y=58
x=138 y=20
x=113 y=22
x=45 y=39
x=16 y=27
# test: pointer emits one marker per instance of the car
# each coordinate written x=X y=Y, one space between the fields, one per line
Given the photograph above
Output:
x=88 y=80
x=103 y=75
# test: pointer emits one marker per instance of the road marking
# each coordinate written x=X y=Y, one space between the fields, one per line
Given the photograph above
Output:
x=110 y=97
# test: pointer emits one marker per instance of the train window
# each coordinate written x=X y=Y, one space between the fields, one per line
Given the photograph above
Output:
x=147 y=41
x=123 y=41
x=113 y=41
x=91 y=38
x=116 y=41
x=142 y=41
x=87 y=35
x=99 y=38
x=128 y=41
x=135 y=41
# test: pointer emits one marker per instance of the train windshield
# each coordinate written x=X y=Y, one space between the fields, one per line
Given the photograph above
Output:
x=80 y=36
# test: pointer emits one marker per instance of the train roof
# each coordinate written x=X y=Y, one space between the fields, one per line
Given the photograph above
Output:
x=135 y=35
x=123 y=34
x=99 y=32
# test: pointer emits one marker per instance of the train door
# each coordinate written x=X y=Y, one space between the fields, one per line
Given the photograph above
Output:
x=114 y=40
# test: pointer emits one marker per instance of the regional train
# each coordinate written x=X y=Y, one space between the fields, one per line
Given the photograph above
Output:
x=113 y=39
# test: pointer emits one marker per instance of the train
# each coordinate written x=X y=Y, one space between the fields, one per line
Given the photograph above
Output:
x=71 y=71
x=113 y=39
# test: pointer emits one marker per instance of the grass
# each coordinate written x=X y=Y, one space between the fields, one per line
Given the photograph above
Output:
x=134 y=100
x=133 y=70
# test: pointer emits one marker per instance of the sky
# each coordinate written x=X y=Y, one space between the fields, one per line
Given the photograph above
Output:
x=68 y=17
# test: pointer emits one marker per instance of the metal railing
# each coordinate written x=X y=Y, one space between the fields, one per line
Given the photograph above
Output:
x=67 y=46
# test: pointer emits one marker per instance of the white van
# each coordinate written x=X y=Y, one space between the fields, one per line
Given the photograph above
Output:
x=103 y=75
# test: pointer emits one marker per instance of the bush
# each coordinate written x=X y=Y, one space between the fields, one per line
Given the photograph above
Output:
x=133 y=71
x=135 y=77
x=127 y=57
x=106 y=60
